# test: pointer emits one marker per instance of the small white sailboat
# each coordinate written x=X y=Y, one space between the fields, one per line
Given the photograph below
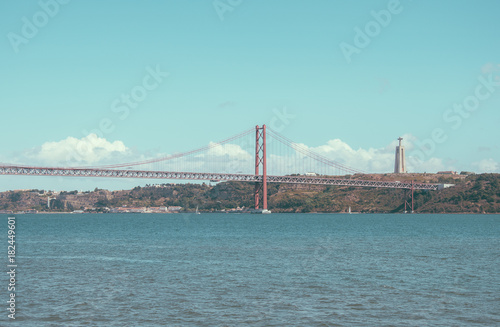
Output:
x=350 y=212
x=197 y=212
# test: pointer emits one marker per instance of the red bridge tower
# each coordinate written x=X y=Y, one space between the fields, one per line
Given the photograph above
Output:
x=260 y=159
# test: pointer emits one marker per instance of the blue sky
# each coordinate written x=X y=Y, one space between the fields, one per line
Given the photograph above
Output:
x=233 y=64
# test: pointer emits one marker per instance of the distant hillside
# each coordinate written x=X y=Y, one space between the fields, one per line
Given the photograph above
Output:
x=472 y=194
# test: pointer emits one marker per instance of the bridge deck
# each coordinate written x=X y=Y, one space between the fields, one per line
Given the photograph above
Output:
x=120 y=173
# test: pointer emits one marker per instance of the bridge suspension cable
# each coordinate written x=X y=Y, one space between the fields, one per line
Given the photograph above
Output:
x=311 y=154
x=175 y=156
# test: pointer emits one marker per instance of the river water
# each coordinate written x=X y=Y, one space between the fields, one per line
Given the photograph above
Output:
x=255 y=270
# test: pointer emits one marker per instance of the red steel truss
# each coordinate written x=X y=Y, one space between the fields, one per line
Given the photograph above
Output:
x=120 y=173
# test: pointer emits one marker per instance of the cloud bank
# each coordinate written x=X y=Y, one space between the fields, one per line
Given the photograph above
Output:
x=487 y=166
x=88 y=150
x=376 y=160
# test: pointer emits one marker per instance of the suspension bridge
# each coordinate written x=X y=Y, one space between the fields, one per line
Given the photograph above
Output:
x=275 y=159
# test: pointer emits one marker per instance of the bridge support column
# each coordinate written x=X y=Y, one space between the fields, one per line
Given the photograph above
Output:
x=407 y=203
x=260 y=159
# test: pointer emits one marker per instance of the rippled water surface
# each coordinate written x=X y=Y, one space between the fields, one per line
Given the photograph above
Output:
x=256 y=270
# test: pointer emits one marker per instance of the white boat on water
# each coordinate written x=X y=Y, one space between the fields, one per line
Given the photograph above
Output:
x=197 y=212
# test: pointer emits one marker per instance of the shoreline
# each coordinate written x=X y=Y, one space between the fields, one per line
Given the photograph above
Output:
x=274 y=213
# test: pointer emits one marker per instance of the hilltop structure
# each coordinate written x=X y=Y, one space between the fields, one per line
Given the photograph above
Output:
x=400 y=165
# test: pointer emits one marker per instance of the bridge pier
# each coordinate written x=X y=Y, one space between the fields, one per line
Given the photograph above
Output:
x=407 y=203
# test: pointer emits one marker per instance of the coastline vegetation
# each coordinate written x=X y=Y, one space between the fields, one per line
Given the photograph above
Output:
x=471 y=194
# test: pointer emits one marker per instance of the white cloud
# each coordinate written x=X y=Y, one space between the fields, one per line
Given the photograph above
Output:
x=487 y=166
x=233 y=151
x=87 y=150
x=369 y=160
